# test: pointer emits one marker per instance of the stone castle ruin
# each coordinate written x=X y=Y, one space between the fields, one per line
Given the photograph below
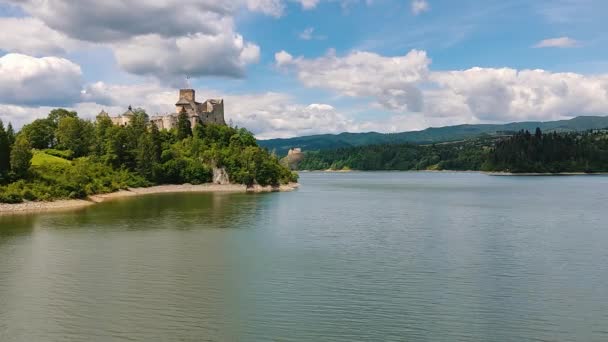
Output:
x=208 y=112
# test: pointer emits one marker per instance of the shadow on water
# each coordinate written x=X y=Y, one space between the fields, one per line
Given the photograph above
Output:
x=184 y=211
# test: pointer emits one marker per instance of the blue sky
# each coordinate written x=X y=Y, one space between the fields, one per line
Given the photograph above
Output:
x=297 y=67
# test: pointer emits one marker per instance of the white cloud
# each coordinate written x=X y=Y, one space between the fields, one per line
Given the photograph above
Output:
x=273 y=8
x=308 y=4
x=163 y=38
x=196 y=55
x=561 y=42
x=307 y=34
x=391 y=81
x=112 y=20
x=283 y=58
x=404 y=85
x=419 y=6
x=26 y=80
x=517 y=95
x=31 y=36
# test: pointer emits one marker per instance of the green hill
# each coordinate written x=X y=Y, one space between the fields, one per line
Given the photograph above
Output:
x=429 y=135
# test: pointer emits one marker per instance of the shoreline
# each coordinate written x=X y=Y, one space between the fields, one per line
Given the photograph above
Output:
x=65 y=205
x=488 y=173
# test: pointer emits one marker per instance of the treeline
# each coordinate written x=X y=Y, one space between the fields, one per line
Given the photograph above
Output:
x=551 y=153
x=520 y=153
x=64 y=156
x=468 y=155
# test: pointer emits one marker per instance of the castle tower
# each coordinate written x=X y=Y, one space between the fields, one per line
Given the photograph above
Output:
x=187 y=94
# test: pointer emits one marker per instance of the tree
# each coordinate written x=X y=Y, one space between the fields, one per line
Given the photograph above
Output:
x=57 y=114
x=75 y=135
x=157 y=141
x=184 y=128
x=21 y=157
x=10 y=134
x=102 y=126
x=147 y=156
x=40 y=133
x=538 y=134
x=116 y=149
x=5 y=152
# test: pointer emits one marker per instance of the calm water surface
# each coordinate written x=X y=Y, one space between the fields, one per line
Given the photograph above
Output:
x=348 y=257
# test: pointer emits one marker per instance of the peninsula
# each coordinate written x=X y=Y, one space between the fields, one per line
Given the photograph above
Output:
x=64 y=157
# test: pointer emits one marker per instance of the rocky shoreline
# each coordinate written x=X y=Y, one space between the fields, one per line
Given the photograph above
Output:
x=29 y=207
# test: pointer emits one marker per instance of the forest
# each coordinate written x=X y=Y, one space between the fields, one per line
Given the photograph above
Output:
x=63 y=156
x=522 y=152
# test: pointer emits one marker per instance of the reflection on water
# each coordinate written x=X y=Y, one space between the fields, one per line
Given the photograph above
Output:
x=361 y=256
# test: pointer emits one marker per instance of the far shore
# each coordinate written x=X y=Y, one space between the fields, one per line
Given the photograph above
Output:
x=62 y=205
x=489 y=173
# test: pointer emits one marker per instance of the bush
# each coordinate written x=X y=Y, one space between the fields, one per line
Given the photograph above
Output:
x=65 y=154
x=10 y=197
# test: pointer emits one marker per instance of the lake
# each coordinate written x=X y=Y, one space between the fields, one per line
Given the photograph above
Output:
x=382 y=256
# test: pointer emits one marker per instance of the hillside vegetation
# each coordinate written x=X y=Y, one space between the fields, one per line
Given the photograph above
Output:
x=63 y=156
x=522 y=153
x=430 y=135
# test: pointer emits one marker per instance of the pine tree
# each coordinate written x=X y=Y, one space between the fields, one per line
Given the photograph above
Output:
x=21 y=157
x=5 y=152
x=184 y=128
x=156 y=140
x=10 y=133
x=146 y=156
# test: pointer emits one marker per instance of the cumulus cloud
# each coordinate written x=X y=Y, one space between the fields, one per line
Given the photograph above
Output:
x=406 y=85
x=196 y=55
x=419 y=6
x=31 y=36
x=391 y=81
x=277 y=115
x=111 y=20
x=164 y=38
x=26 y=80
x=273 y=8
x=283 y=58
x=514 y=95
x=561 y=42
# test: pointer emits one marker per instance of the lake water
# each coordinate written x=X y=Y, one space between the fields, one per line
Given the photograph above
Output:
x=348 y=257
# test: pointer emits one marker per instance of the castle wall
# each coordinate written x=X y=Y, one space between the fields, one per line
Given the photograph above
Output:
x=209 y=112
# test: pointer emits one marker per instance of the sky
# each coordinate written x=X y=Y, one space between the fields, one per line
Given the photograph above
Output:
x=299 y=67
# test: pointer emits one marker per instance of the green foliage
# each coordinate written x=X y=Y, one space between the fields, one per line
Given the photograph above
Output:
x=77 y=179
x=92 y=158
x=5 y=153
x=40 y=158
x=10 y=134
x=467 y=155
x=65 y=154
x=551 y=153
x=184 y=127
x=75 y=134
x=57 y=114
x=21 y=157
x=40 y=133
x=522 y=152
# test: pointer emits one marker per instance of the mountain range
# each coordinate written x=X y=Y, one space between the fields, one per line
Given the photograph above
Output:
x=429 y=135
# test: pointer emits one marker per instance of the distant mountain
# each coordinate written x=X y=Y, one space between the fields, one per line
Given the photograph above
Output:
x=429 y=135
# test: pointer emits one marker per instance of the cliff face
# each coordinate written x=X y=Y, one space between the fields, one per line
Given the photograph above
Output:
x=220 y=176
x=293 y=159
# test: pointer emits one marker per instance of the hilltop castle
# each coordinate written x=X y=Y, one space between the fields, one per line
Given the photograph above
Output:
x=208 y=112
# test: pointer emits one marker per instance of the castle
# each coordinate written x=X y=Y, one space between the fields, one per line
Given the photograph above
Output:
x=208 y=112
